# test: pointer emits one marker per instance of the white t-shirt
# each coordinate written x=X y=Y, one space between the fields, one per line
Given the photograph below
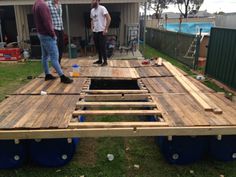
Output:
x=98 y=17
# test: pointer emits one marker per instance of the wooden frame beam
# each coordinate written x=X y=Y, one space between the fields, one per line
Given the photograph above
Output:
x=116 y=124
x=117 y=132
x=116 y=97
x=116 y=112
x=116 y=104
x=115 y=91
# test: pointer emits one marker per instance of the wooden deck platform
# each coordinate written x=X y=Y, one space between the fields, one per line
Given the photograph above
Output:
x=180 y=105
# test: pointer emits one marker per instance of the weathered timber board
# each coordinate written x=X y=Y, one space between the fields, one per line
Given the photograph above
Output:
x=183 y=110
x=163 y=85
x=52 y=87
x=112 y=63
x=30 y=112
x=153 y=72
x=105 y=72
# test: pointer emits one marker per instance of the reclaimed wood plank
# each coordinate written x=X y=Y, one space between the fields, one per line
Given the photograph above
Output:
x=67 y=116
x=178 y=109
x=56 y=119
x=14 y=116
x=175 y=118
x=45 y=113
x=33 y=113
x=9 y=105
x=188 y=87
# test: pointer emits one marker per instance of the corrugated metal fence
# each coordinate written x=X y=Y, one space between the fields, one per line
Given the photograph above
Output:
x=173 y=44
x=221 y=58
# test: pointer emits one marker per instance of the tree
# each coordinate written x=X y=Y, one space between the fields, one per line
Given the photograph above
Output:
x=158 y=6
x=219 y=13
x=188 y=6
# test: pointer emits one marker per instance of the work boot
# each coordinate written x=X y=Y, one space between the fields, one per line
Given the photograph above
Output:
x=66 y=80
x=98 y=62
x=49 y=77
x=104 y=64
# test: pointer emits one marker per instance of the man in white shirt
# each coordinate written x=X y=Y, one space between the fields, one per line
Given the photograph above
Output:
x=100 y=22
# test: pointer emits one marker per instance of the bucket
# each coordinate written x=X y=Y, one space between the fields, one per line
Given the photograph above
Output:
x=224 y=149
x=12 y=155
x=76 y=70
x=183 y=150
x=53 y=152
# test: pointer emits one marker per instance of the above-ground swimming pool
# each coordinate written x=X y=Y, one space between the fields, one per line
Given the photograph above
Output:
x=190 y=27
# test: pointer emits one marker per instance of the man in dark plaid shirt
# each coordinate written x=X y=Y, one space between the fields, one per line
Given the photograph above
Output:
x=56 y=14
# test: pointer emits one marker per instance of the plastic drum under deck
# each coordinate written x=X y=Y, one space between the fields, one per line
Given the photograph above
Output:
x=12 y=154
x=183 y=150
x=53 y=152
x=224 y=149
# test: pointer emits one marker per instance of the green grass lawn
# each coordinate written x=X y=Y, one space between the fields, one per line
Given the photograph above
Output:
x=12 y=76
x=90 y=159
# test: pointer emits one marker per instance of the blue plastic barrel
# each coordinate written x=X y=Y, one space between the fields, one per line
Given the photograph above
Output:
x=224 y=149
x=82 y=118
x=151 y=119
x=12 y=155
x=53 y=152
x=183 y=150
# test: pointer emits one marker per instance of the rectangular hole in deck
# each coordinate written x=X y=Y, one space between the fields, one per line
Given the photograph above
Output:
x=109 y=84
x=106 y=84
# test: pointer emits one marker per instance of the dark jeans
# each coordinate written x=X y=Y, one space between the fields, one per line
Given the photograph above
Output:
x=100 y=44
x=60 y=43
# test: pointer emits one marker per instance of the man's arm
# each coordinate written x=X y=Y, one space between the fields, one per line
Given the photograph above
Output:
x=108 y=22
x=47 y=20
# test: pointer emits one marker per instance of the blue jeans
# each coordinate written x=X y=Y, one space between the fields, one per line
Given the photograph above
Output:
x=49 y=50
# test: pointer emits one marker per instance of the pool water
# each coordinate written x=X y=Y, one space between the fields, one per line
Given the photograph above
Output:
x=190 y=27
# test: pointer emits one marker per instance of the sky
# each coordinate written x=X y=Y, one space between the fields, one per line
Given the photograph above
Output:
x=212 y=6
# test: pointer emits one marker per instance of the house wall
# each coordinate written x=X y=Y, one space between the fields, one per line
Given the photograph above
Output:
x=129 y=14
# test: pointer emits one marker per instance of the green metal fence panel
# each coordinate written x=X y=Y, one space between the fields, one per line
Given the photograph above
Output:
x=173 y=44
x=221 y=57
